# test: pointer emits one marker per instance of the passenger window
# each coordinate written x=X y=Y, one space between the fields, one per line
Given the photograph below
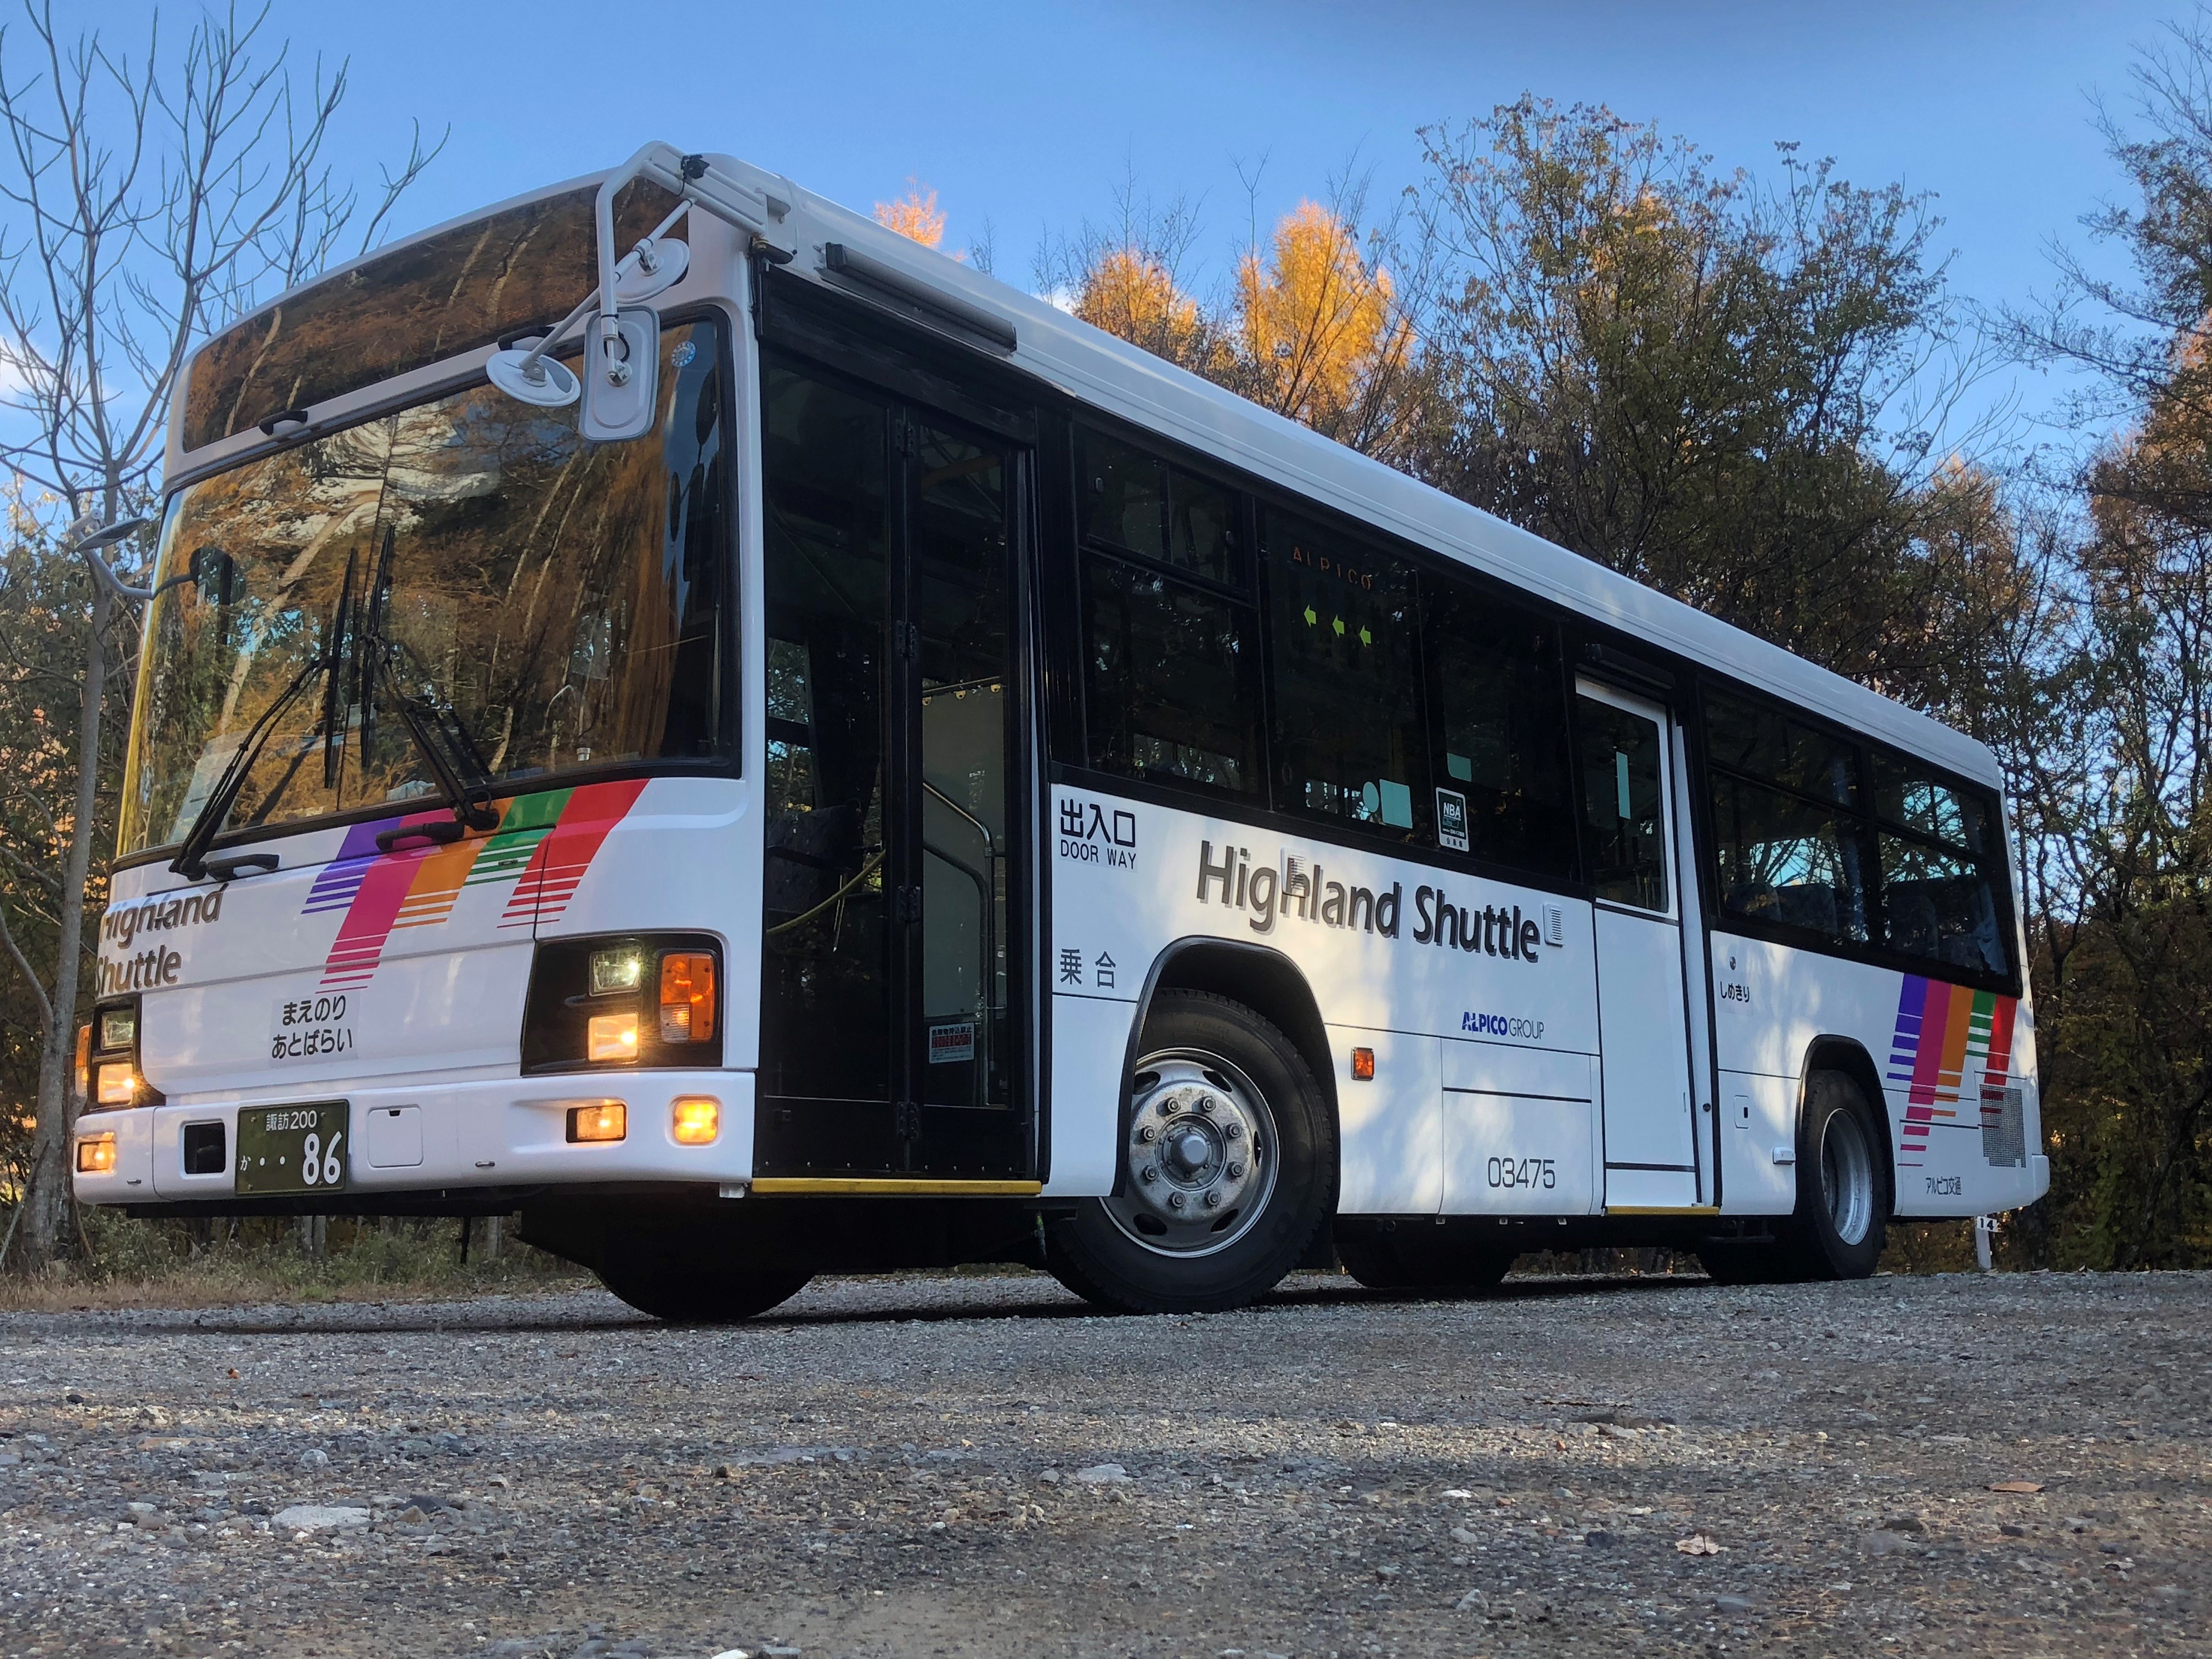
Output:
x=1498 y=729
x=1906 y=794
x=1167 y=678
x=1136 y=502
x=1766 y=743
x=1624 y=804
x=1344 y=679
x=1788 y=861
x=1936 y=904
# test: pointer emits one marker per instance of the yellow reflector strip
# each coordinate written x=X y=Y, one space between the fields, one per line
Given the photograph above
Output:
x=893 y=1188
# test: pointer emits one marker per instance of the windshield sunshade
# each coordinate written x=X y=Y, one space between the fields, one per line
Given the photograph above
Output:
x=547 y=603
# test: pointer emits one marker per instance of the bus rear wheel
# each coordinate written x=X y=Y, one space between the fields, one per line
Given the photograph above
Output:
x=1228 y=1167
x=701 y=1296
x=1842 y=1219
x=1416 y=1259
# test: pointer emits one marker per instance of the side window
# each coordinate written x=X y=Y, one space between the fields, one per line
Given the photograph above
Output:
x=1343 y=672
x=1788 y=861
x=1624 y=804
x=1169 y=639
x=1940 y=863
x=1498 y=718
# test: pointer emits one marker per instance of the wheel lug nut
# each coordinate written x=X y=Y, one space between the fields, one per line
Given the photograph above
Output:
x=1234 y=1131
x=1174 y=1200
x=1213 y=1199
x=1237 y=1172
x=1205 y=1105
x=1146 y=1133
x=1148 y=1175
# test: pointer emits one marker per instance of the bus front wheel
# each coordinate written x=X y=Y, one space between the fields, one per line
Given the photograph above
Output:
x=1228 y=1167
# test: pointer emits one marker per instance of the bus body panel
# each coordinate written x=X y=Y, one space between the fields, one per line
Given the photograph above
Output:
x=1483 y=1098
x=1955 y=1065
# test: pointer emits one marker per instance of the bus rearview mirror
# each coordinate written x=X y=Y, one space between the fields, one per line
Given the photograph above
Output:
x=621 y=374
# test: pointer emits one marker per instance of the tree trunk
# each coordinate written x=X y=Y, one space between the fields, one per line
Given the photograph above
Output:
x=49 y=1235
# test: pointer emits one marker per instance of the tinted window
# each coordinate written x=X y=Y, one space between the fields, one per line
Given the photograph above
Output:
x=1131 y=499
x=1787 y=861
x=1343 y=685
x=1747 y=737
x=1907 y=793
x=1497 y=711
x=1167 y=678
x=1624 y=805
x=1938 y=904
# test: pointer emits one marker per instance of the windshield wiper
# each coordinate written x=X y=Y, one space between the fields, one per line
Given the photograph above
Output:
x=454 y=764
x=191 y=861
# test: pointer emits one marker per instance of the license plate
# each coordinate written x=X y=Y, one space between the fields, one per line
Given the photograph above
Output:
x=293 y=1149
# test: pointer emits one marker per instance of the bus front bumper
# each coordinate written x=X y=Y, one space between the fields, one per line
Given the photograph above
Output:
x=413 y=1140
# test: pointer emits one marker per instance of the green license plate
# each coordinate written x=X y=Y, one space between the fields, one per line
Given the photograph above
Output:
x=293 y=1149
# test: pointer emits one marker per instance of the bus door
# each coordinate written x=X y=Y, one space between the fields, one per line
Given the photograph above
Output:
x=1626 y=756
x=890 y=1020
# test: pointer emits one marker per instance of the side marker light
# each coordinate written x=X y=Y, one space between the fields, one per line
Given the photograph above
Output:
x=1362 y=1064
x=696 y=1119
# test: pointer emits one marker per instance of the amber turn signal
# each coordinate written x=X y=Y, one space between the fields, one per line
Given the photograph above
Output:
x=96 y=1155
x=84 y=1059
x=1363 y=1066
x=602 y=1120
x=687 y=997
x=696 y=1119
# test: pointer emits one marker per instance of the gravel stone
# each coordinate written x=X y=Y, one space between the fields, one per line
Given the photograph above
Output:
x=879 y=1469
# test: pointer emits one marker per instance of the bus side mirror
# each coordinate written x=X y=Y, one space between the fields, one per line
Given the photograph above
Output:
x=621 y=374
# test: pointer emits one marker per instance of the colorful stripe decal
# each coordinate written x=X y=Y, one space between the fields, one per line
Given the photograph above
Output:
x=543 y=843
x=1941 y=1030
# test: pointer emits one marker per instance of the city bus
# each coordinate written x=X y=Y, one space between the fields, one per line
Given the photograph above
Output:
x=677 y=714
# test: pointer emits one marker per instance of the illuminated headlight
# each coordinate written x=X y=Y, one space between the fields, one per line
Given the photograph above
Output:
x=616 y=970
x=695 y=1119
x=96 y=1155
x=114 y=1083
x=118 y=1028
x=612 y=1038
x=639 y=1001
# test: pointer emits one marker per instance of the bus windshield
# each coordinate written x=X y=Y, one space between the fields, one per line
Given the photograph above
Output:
x=557 y=602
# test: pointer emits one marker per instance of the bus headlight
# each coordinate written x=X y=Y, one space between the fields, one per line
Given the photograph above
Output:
x=108 y=1071
x=634 y=1001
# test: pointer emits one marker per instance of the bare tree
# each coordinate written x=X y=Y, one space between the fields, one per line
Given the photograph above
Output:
x=149 y=202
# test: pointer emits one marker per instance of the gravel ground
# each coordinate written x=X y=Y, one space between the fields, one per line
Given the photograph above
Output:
x=970 y=1465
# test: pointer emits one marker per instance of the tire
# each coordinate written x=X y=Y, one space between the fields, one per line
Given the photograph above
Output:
x=1414 y=1259
x=1842 y=1219
x=701 y=1297
x=1215 y=1079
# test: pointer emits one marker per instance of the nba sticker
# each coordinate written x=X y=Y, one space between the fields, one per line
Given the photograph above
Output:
x=1451 y=820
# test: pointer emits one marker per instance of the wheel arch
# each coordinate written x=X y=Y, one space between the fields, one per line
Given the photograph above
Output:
x=1262 y=979
x=1849 y=1055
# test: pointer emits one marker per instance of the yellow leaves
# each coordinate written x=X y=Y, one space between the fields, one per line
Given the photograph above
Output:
x=1136 y=298
x=1315 y=319
x=915 y=215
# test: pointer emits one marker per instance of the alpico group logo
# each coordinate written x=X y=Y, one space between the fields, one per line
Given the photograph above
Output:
x=542 y=843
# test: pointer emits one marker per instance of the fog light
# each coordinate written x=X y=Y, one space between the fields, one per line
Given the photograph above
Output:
x=1362 y=1064
x=96 y=1155
x=696 y=1119
x=616 y=970
x=114 y=1083
x=605 y=1120
x=611 y=1037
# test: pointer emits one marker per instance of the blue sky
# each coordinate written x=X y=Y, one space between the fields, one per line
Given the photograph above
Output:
x=1030 y=115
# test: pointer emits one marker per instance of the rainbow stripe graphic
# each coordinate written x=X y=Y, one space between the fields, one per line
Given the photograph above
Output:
x=1941 y=1029
x=542 y=843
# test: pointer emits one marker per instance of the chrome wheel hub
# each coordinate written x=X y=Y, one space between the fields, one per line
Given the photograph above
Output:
x=1199 y=1163
x=1847 y=1176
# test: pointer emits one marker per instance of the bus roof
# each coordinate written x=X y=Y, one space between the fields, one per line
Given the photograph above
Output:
x=1095 y=368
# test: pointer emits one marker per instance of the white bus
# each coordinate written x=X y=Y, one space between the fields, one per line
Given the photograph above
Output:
x=822 y=762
